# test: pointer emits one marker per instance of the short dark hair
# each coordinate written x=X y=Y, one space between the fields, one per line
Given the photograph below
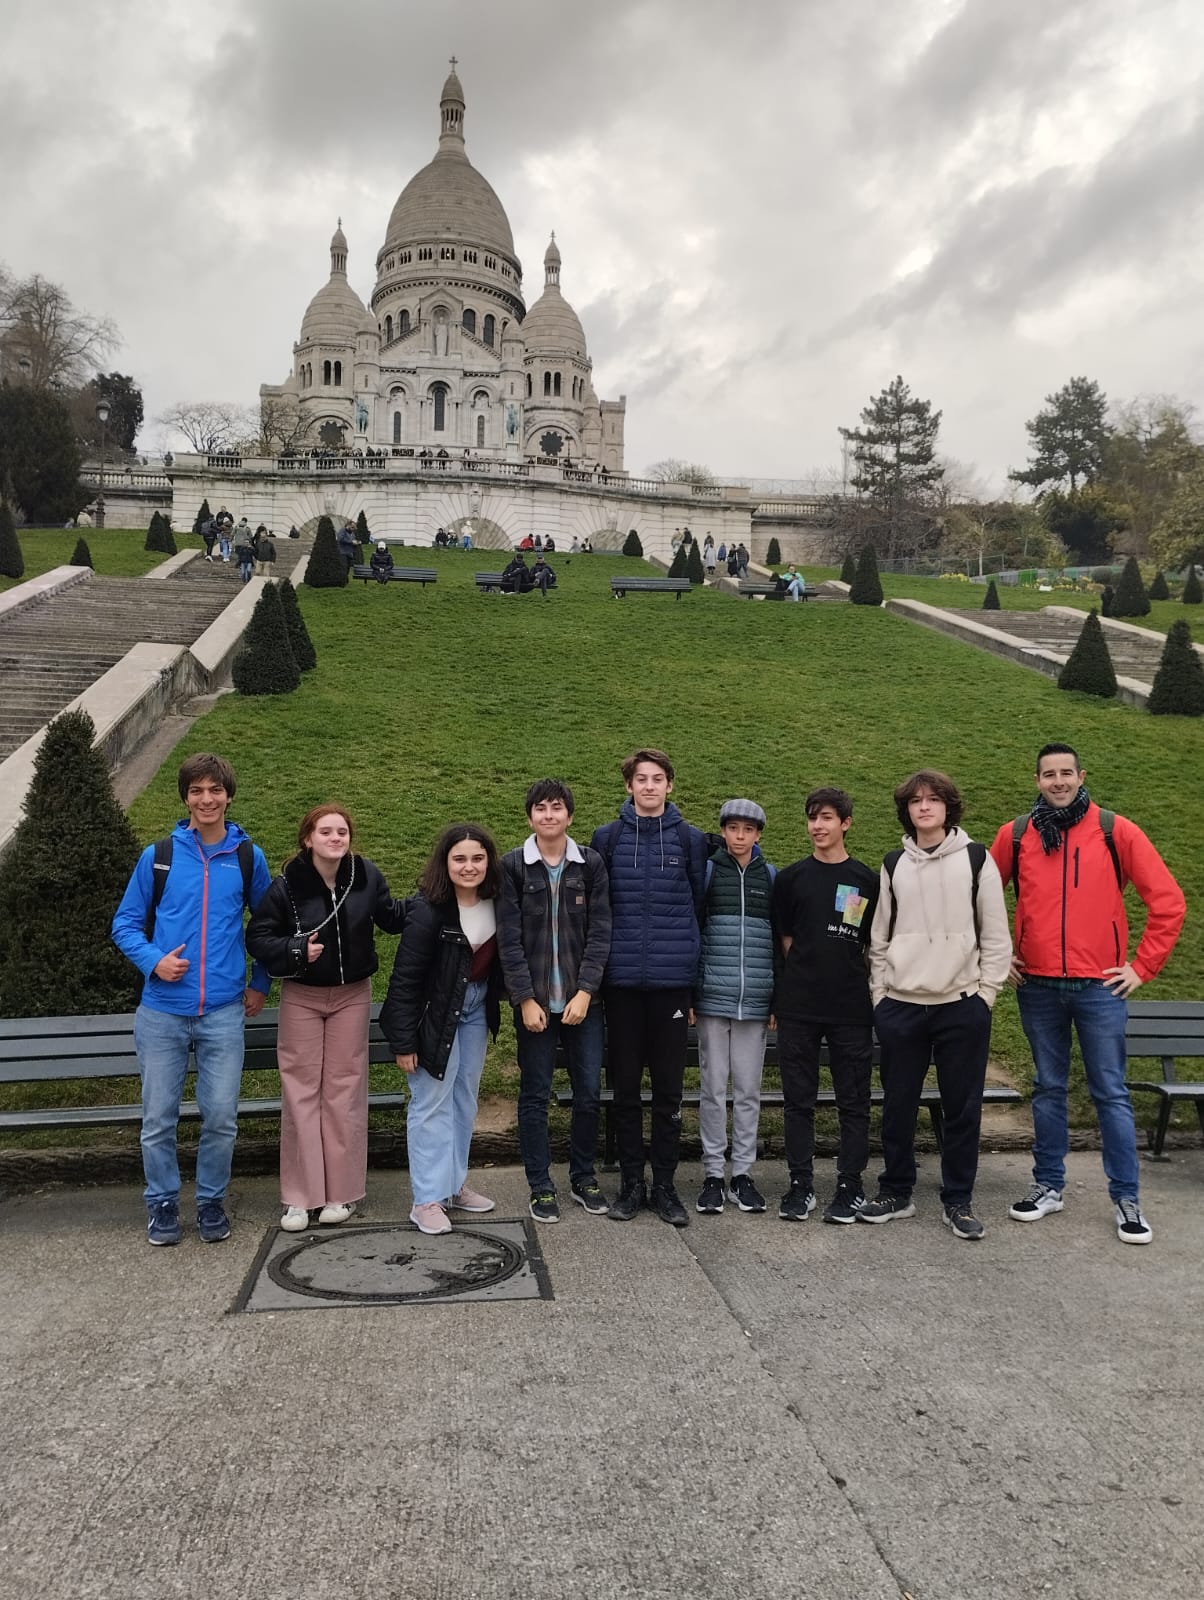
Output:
x=836 y=798
x=1058 y=750
x=549 y=789
x=206 y=765
x=941 y=785
x=657 y=756
x=434 y=881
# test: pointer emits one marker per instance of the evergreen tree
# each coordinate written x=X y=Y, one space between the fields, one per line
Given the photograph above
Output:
x=1192 y=593
x=265 y=664
x=1158 y=589
x=866 y=588
x=1178 y=689
x=326 y=569
x=694 y=567
x=12 y=561
x=203 y=515
x=81 y=556
x=159 y=535
x=773 y=555
x=361 y=529
x=1131 y=599
x=897 y=472
x=67 y=867
x=990 y=600
x=302 y=645
x=632 y=545
x=1107 y=600
x=677 y=567
x=39 y=455
x=848 y=569
x=152 y=541
x=1089 y=668
x=1068 y=437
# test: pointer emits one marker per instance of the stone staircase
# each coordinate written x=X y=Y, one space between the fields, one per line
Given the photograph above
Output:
x=51 y=652
x=1047 y=629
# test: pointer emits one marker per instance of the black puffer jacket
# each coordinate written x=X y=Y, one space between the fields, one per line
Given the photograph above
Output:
x=299 y=900
x=426 y=991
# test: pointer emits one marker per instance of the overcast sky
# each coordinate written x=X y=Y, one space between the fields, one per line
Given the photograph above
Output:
x=765 y=210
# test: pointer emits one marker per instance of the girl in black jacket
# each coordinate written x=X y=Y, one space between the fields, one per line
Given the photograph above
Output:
x=314 y=929
x=444 y=995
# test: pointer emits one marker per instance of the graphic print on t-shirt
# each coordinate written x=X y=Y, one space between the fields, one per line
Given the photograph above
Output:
x=851 y=904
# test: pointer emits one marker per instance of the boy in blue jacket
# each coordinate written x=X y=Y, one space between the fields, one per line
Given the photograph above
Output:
x=185 y=936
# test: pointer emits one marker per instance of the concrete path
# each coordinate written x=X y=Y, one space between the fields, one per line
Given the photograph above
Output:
x=746 y=1409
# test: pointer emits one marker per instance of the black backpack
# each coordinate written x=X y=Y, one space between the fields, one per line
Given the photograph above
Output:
x=978 y=855
x=1107 y=822
x=162 y=866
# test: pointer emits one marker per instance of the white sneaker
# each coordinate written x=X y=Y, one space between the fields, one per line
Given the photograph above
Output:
x=430 y=1218
x=1037 y=1203
x=1131 y=1226
x=295 y=1219
x=469 y=1200
x=331 y=1216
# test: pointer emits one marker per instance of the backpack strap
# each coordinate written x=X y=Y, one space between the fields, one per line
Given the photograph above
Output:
x=978 y=855
x=164 y=849
x=1107 y=823
x=246 y=860
x=1019 y=824
x=890 y=861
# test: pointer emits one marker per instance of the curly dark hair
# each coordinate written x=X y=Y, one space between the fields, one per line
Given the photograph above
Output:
x=434 y=881
x=941 y=785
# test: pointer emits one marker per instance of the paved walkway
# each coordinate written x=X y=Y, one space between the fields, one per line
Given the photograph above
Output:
x=747 y=1408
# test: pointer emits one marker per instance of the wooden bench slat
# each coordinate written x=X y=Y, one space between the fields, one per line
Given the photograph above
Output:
x=1164 y=1030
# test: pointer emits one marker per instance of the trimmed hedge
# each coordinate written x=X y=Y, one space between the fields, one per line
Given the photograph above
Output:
x=1178 y=689
x=990 y=600
x=12 y=561
x=1131 y=599
x=1089 y=668
x=773 y=554
x=326 y=569
x=632 y=545
x=867 y=586
x=81 y=556
x=265 y=664
x=302 y=645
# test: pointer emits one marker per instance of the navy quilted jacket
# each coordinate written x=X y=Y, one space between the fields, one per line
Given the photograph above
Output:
x=657 y=871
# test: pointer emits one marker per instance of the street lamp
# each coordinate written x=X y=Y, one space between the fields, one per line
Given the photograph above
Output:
x=102 y=416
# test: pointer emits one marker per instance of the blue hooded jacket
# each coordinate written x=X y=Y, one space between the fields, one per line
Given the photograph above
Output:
x=201 y=909
x=657 y=869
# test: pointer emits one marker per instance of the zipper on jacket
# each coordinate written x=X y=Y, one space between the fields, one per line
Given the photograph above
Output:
x=1076 y=866
x=743 y=914
x=1116 y=943
x=1065 y=874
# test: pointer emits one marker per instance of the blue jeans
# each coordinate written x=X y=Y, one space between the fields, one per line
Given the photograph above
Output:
x=1099 y=1020
x=443 y=1110
x=162 y=1041
x=536 y=1062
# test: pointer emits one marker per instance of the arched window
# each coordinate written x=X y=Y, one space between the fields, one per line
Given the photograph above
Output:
x=529 y=389
x=326 y=372
x=338 y=376
x=388 y=329
x=547 y=382
x=470 y=321
x=480 y=432
x=397 y=427
x=439 y=399
x=555 y=382
x=403 y=323
x=487 y=329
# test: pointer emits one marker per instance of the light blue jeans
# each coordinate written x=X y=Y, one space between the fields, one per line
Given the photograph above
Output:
x=162 y=1041
x=442 y=1111
x=1099 y=1020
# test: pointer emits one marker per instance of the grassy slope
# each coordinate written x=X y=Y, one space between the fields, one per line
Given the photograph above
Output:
x=116 y=552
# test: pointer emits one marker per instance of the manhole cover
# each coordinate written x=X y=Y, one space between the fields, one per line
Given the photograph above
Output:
x=394 y=1264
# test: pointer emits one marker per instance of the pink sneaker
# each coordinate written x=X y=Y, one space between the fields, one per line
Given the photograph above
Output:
x=469 y=1200
x=430 y=1218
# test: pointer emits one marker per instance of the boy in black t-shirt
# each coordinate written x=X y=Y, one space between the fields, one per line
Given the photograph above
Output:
x=823 y=907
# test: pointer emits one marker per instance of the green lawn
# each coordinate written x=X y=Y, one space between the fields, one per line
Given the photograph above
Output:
x=116 y=552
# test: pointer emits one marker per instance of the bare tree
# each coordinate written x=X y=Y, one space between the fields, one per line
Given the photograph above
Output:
x=44 y=340
x=673 y=470
x=281 y=424
x=207 y=425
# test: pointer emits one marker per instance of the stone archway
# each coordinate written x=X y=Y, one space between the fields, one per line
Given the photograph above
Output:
x=486 y=534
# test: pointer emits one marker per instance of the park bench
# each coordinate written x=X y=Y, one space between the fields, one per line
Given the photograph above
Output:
x=674 y=586
x=422 y=575
x=768 y=591
x=488 y=582
x=1166 y=1030
x=930 y=1099
x=55 y=1049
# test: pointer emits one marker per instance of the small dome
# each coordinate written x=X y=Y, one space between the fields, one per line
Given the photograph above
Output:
x=551 y=256
x=368 y=324
x=552 y=327
x=338 y=240
x=335 y=314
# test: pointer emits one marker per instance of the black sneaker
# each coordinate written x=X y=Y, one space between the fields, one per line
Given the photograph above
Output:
x=845 y=1203
x=961 y=1219
x=631 y=1198
x=588 y=1193
x=163 y=1223
x=212 y=1223
x=711 y=1197
x=797 y=1204
x=745 y=1194
x=544 y=1206
x=886 y=1208
x=664 y=1201
x=1131 y=1226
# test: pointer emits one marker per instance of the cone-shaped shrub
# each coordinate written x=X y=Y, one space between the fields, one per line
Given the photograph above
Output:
x=1179 y=682
x=304 y=653
x=81 y=556
x=61 y=878
x=152 y=534
x=265 y=664
x=1106 y=599
x=202 y=515
x=848 y=568
x=694 y=567
x=1131 y=599
x=1158 y=589
x=326 y=569
x=773 y=554
x=1192 y=593
x=990 y=600
x=632 y=545
x=159 y=535
x=361 y=528
x=12 y=562
x=866 y=589
x=1089 y=669
x=677 y=567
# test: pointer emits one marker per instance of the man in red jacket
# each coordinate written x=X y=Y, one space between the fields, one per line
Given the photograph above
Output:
x=1069 y=863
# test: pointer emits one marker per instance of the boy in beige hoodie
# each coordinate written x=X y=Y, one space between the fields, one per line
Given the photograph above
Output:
x=939 y=952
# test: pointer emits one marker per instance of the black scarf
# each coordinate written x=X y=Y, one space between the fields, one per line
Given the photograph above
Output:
x=1051 y=822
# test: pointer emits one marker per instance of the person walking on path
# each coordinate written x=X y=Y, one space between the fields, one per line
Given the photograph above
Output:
x=939 y=954
x=180 y=922
x=244 y=550
x=733 y=1005
x=1069 y=862
x=554 y=938
x=265 y=555
x=314 y=928
x=823 y=910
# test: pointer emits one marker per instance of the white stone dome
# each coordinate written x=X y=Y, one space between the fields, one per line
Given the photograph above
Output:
x=551 y=326
x=336 y=312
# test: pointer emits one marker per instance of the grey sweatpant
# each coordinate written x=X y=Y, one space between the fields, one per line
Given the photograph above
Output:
x=735 y=1050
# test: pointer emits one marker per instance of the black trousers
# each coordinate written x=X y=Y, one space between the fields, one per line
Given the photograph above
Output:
x=647 y=1028
x=851 y=1053
x=957 y=1037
